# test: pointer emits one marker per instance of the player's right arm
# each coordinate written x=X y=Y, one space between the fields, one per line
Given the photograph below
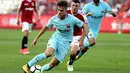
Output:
x=42 y=31
x=85 y=10
x=18 y=13
x=18 y=16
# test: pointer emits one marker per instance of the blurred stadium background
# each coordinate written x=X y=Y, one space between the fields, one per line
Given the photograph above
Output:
x=46 y=8
x=111 y=54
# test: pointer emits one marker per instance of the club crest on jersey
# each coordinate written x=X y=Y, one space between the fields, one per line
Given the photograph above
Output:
x=102 y=11
x=32 y=4
x=26 y=4
x=68 y=25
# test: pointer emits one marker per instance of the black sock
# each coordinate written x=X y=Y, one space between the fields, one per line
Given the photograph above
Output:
x=81 y=52
x=78 y=52
x=72 y=59
x=24 y=42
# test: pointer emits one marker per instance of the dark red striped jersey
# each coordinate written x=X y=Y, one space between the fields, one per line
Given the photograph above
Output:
x=77 y=30
x=27 y=8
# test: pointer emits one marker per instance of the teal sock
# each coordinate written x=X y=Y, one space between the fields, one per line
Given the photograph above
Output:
x=87 y=45
x=46 y=67
x=86 y=42
x=36 y=59
x=80 y=54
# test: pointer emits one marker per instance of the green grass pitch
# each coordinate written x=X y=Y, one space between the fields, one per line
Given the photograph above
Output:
x=111 y=54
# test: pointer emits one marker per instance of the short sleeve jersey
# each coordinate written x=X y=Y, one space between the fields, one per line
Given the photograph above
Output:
x=94 y=21
x=64 y=28
x=27 y=10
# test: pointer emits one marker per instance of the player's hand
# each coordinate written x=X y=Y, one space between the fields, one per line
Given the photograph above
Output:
x=18 y=22
x=34 y=42
x=89 y=13
x=38 y=19
x=114 y=14
x=81 y=43
x=34 y=25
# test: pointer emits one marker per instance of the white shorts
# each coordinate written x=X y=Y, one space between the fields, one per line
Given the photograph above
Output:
x=75 y=40
x=26 y=26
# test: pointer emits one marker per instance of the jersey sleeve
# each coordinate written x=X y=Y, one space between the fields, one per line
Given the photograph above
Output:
x=108 y=8
x=77 y=22
x=85 y=9
x=21 y=5
x=50 y=23
x=35 y=5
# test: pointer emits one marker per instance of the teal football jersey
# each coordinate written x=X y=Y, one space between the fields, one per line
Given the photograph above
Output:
x=65 y=27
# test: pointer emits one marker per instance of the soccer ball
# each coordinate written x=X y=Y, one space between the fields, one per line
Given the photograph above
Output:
x=35 y=69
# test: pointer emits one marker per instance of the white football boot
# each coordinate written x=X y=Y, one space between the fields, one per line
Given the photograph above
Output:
x=70 y=67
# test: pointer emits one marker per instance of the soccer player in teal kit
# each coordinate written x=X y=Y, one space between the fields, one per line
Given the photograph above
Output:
x=60 y=40
x=95 y=12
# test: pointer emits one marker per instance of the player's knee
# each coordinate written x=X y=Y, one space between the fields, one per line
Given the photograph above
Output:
x=48 y=54
x=26 y=33
x=92 y=42
x=53 y=65
x=73 y=52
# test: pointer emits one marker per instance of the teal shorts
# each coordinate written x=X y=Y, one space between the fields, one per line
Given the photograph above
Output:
x=90 y=35
x=61 y=48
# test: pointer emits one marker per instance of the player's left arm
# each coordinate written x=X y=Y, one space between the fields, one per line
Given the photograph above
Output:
x=36 y=11
x=112 y=13
x=109 y=10
x=82 y=25
x=84 y=34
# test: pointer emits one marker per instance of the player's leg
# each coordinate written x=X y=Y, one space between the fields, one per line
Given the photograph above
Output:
x=73 y=52
x=60 y=53
x=38 y=58
x=25 y=29
x=24 y=43
x=88 y=42
x=50 y=65
x=49 y=51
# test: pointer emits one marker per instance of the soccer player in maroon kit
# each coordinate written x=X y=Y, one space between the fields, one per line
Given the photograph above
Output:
x=26 y=9
x=76 y=35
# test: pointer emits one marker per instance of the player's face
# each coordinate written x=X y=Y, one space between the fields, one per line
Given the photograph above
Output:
x=75 y=7
x=96 y=1
x=61 y=12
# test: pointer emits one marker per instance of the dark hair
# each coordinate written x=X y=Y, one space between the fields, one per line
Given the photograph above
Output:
x=76 y=1
x=63 y=4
